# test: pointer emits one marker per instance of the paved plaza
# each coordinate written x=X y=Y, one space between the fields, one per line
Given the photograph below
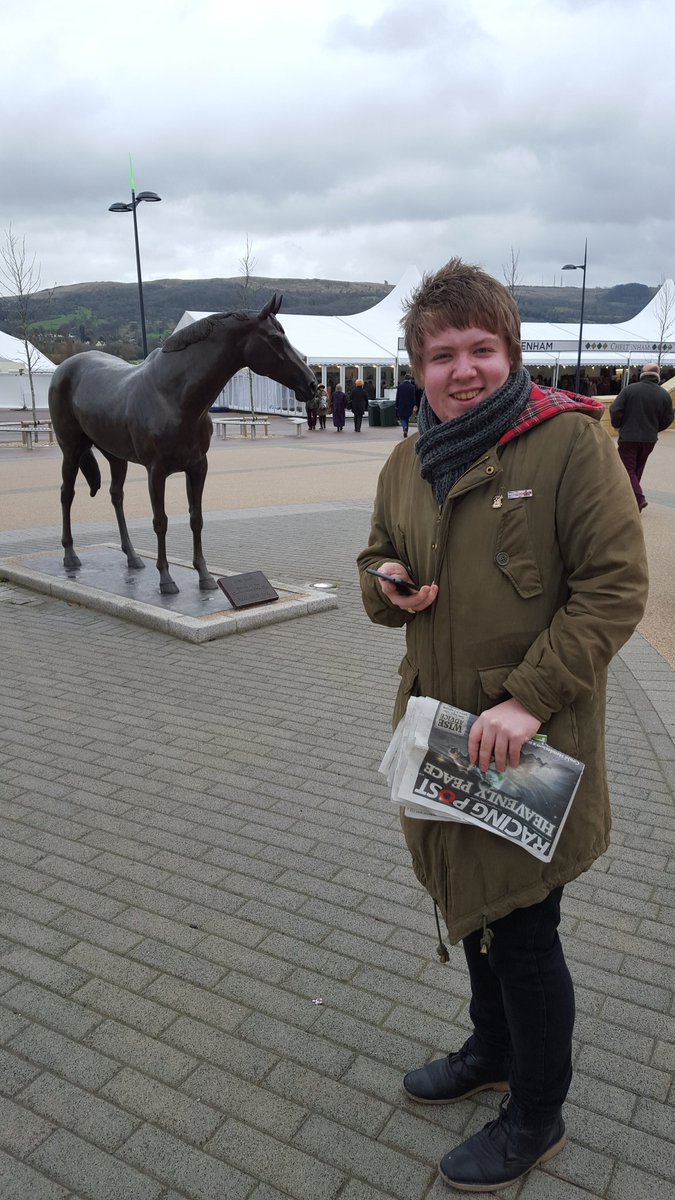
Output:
x=215 y=961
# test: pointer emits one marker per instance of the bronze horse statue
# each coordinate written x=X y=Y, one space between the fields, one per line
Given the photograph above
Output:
x=157 y=414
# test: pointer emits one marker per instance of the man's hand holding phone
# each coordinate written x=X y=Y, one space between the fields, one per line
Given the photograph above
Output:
x=404 y=593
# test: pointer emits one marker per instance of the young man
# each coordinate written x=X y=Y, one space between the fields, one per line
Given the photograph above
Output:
x=512 y=512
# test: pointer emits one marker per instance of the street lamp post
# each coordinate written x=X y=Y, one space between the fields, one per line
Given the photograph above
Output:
x=579 y=267
x=119 y=206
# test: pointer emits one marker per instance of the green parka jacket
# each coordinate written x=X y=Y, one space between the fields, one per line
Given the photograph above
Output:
x=541 y=566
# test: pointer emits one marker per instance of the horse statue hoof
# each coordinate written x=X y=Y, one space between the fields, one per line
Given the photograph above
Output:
x=169 y=588
x=135 y=563
x=71 y=562
x=207 y=584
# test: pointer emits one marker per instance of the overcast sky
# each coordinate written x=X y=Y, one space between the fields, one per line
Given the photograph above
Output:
x=346 y=138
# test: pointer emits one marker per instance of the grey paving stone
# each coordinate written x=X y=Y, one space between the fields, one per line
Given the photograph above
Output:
x=31 y=933
x=214 y=1046
x=371 y=1161
x=78 y=1063
x=183 y=997
x=287 y=1040
x=21 y=1130
x=20 y=1182
x=78 y=1164
x=79 y=1111
x=35 y=907
x=357 y=1001
x=14 y=1073
x=128 y=1007
x=264 y=997
x=112 y=967
x=628 y=1145
x=600 y=1096
x=149 y=1054
x=193 y=1171
x=329 y=1097
x=630 y=1184
x=246 y=1101
x=101 y=932
x=315 y=958
x=171 y=961
x=10 y=1024
x=542 y=1186
x=165 y=1106
x=419 y=1136
x=59 y=976
x=623 y=1071
x=81 y=898
x=68 y=1016
x=299 y=1174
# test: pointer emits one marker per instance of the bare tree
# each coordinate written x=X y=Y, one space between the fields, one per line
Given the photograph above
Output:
x=664 y=310
x=22 y=280
x=511 y=272
x=248 y=263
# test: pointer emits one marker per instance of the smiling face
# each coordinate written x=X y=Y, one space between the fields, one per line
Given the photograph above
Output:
x=461 y=368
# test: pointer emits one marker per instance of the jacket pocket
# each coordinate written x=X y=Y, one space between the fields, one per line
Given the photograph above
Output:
x=514 y=553
x=409 y=686
x=491 y=689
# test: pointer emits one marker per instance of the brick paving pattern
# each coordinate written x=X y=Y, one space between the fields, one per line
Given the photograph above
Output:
x=215 y=961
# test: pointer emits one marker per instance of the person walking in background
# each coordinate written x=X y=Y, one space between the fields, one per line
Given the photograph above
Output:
x=406 y=402
x=512 y=518
x=339 y=408
x=322 y=401
x=358 y=404
x=312 y=408
x=641 y=412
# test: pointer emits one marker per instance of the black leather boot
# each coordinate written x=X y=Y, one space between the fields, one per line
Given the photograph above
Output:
x=446 y=1080
x=502 y=1152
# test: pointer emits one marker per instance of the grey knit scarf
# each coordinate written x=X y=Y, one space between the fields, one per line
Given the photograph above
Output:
x=447 y=449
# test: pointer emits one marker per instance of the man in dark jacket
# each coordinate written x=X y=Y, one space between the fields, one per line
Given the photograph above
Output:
x=641 y=412
x=406 y=402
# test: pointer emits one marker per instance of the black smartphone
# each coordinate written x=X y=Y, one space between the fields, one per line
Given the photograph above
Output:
x=401 y=585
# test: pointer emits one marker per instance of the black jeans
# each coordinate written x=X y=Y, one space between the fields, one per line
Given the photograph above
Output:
x=522 y=1006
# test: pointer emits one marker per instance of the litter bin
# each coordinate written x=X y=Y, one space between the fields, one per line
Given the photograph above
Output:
x=388 y=412
x=374 y=416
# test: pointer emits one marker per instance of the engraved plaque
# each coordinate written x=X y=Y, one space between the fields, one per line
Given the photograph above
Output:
x=243 y=591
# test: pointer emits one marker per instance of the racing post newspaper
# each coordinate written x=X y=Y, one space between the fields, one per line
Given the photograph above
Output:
x=428 y=771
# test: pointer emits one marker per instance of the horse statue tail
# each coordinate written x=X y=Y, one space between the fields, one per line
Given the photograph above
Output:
x=90 y=469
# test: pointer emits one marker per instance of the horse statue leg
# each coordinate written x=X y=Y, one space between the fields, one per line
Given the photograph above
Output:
x=195 y=477
x=156 y=485
x=69 y=468
x=77 y=457
x=118 y=473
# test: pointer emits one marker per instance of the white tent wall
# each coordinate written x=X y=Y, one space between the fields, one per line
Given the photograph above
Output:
x=15 y=389
x=268 y=396
x=14 y=381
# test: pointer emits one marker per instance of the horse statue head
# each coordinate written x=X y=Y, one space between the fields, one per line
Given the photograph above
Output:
x=267 y=351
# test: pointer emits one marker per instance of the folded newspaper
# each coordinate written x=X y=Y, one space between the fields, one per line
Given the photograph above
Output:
x=428 y=770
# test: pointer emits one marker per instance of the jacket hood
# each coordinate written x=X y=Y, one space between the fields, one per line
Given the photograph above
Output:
x=545 y=403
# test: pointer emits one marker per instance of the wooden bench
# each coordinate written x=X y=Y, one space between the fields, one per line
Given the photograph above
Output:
x=29 y=431
x=246 y=426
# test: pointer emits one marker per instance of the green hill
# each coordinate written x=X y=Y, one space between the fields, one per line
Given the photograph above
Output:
x=70 y=318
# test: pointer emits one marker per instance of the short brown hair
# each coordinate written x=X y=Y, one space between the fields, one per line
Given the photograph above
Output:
x=462 y=296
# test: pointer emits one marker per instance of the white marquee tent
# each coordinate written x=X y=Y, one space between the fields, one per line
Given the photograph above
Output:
x=14 y=382
x=371 y=339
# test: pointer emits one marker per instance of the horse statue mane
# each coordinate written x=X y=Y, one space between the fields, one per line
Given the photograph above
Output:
x=202 y=329
x=198 y=332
